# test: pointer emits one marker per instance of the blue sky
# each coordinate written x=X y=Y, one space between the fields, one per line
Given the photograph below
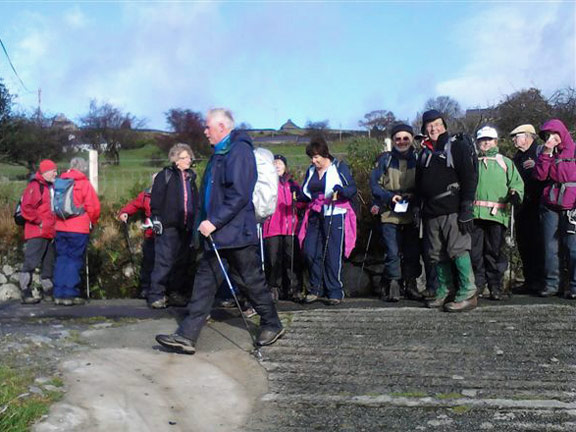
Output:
x=270 y=61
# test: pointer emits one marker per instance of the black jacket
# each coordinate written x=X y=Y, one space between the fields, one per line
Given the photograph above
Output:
x=167 y=199
x=532 y=188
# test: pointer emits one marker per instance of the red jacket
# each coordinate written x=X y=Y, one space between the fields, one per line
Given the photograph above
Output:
x=141 y=202
x=84 y=196
x=37 y=209
x=284 y=220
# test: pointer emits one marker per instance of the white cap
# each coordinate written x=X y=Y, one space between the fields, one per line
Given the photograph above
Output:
x=487 y=132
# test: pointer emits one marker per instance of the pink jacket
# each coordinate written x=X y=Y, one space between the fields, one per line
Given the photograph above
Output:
x=559 y=169
x=284 y=221
x=349 y=222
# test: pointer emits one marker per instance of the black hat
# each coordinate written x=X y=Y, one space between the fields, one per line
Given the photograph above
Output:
x=282 y=158
x=430 y=116
x=401 y=127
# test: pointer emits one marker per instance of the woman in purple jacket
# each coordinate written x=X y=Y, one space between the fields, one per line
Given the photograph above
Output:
x=279 y=230
x=557 y=166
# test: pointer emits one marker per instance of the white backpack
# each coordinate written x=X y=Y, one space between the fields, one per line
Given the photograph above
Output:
x=266 y=189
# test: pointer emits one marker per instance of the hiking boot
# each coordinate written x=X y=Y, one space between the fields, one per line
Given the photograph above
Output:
x=176 y=299
x=436 y=302
x=411 y=288
x=227 y=304
x=268 y=337
x=571 y=296
x=548 y=292
x=78 y=301
x=461 y=306
x=333 y=301
x=393 y=294
x=48 y=296
x=428 y=294
x=28 y=298
x=176 y=343
x=63 y=301
x=495 y=294
x=250 y=312
x=310 y=298
x=158 y=304
x=275 y=294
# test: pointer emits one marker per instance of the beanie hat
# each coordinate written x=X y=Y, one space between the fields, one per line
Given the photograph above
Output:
x=46 y=165
x=430 y=116
x=401 y=127
x=282 y=158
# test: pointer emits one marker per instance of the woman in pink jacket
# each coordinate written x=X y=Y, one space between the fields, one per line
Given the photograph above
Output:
x=556 y=165
x=282 y=251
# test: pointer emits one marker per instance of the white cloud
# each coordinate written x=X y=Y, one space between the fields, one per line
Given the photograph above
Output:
x=513 y=47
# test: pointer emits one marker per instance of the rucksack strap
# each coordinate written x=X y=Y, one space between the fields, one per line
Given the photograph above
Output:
x=498 y=158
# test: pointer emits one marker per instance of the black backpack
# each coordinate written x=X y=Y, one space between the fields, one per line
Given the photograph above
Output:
x=18 y=218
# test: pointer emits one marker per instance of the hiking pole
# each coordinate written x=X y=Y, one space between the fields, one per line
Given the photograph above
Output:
x=127 y=237
x=261 y=237
x=87 y=277
x=510 y=242
x=293 y=232
x=256 y=352
x=332 y=205
x=365 y=256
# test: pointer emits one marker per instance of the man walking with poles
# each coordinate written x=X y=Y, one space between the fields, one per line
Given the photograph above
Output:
x=228 y=218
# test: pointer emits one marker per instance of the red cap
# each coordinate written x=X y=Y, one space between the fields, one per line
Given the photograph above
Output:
x=47 y=165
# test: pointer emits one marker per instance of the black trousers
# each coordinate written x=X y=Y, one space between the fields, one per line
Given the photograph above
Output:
x=488 y=260
x=281 y=265
x=148 y=253
x=530 y=246
x=245 y=263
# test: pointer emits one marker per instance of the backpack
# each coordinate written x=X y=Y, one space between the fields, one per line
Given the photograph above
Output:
x=266 y=189
x=63 y=202
x=18 y=218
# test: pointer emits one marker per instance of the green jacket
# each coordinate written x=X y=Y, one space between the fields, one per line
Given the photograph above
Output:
x=497 y=178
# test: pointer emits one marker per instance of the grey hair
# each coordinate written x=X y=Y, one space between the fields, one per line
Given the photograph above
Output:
x=223 y=114
x=178 y=148
x=79 y=164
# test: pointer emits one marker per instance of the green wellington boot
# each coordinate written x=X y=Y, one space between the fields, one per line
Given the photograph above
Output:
x=445 y=285
x=466 y=296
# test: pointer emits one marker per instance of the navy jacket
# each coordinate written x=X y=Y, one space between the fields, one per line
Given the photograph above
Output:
x=167 y=199
x=230 y=208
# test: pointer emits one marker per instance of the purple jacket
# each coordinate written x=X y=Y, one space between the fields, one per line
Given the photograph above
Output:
x=558 y=169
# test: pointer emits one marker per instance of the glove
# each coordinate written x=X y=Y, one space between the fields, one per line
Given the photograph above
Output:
x=157 y=227
x=466 y=218
x=147 y=224
x=515 y=199
x=338 y=189
x=294 y=189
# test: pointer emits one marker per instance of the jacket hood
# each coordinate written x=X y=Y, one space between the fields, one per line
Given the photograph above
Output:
x=74 y=174
x=39 y=178
x=240 y=135
x=558 y=127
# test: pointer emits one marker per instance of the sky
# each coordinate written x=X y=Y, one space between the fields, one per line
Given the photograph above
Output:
x=269 y=61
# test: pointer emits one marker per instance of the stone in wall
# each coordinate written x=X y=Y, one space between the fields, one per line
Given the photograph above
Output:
x=9 y=292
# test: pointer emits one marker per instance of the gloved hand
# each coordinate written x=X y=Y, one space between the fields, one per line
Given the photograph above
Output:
x=338 y=189
x=466 y=218
x=295 y=189
x=514 y=199
x=147 y=224
x=374 y=210
x=157 y=227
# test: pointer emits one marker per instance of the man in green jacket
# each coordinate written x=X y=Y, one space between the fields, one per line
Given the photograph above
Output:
x=500 y=187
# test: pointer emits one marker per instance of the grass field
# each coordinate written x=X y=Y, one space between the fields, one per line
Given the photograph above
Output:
x=119 y=183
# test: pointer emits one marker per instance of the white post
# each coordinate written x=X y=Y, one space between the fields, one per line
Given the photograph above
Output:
x=93 y=168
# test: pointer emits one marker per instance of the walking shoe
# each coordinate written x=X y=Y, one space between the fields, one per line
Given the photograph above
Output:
x=462 y=306
x=571 y=296
x=48 y=296
x=176 y=343
x=250 y=312
x=310 y=298
x=436 y=302
x=78 y=301
x=176 y=299
x=63 y=301
x=158 y=304
x=393 y=294
x=227 y=304
x=27 y=297
x=428 y=294
x=333 y=301
x=548 y=293
x=268 y=337
x=411 y=288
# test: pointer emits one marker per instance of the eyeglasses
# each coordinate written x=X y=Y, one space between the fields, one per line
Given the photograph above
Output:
x=518 y=136
x=402 y=139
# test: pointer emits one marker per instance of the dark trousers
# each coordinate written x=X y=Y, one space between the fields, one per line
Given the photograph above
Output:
x=39 y=252
x=402 y=247
x=429 y=267
x=488 y=260
x=148 y=254
x=171 y=258
x=282 y=264
x=246 y=264
x=70 y=253
x=314 y=247
x=530 y=246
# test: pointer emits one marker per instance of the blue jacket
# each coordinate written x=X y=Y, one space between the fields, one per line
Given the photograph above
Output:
x=233 y=177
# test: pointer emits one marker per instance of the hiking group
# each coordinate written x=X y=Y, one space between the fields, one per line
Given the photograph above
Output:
x=440 y=199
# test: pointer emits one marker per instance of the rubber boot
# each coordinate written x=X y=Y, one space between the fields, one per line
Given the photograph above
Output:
x=445 y=284
x=465 y=299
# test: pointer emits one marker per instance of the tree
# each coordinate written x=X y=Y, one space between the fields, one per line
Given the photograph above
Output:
x=449 y=107
x=524 y=106
x=188 y=127
x=563 y=103
x=377 y=122
x=321 y=125
x=5 y=103
x=108 y=129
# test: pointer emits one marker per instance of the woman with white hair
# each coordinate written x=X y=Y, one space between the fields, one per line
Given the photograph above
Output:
x=73 y=224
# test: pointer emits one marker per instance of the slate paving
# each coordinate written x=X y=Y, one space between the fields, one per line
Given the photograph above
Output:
x=505 y=368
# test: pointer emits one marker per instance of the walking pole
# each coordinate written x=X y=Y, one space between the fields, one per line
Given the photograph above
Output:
x=332 y=205
x=293 y=233
x=256 y=352
x=510 y=242
x=365 y=256
x=87 y=277
x=261 y=237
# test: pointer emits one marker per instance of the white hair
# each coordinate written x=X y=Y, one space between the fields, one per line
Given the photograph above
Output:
x=79 y=164
x=223 y=114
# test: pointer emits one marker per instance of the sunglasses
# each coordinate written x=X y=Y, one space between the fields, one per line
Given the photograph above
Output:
x=401 y=139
